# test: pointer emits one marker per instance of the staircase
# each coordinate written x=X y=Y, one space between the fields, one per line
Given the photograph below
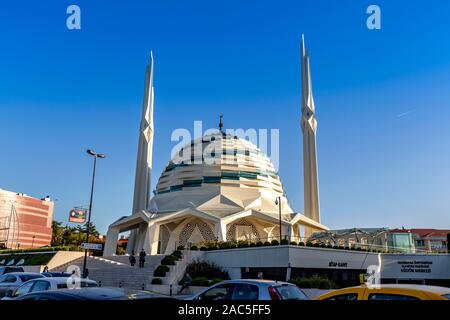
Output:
x=115 y=271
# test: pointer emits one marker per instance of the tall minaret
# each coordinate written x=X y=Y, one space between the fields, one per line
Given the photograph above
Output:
x=142 y=190
x=142 y=181
x=309 y=128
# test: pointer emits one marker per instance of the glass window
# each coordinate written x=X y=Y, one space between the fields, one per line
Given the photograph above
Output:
x=216 y=293
x=23 y=289
x=348 y=296
x=245 y=292
x=386 y=296
x=9 y=279
x=447 y=296
x=27 y=277
x=290 y=292
x=40 y=286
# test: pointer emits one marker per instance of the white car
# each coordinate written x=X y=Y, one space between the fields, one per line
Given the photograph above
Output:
x=44 y=284
x=251 y=289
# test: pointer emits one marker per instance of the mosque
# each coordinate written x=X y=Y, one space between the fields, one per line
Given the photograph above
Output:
x=229 y=191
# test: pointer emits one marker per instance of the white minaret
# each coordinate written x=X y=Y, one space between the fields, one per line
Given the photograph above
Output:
x=309 y=128
x=142 y=181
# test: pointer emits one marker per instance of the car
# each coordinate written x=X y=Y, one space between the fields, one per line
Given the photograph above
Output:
x=13 y=280
x=251 y=289
x=5 y=270
x=44 y=284
x=56 y=274
x=98 y=293
x=388 y=292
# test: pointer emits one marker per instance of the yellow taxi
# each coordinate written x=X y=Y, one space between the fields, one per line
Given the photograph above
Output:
x=388 y=292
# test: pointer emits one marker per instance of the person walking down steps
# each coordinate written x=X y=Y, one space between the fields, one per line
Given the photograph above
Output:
x=142 y=255
x=132 y=259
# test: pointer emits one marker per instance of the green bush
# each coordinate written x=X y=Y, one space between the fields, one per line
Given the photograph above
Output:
x=259 y=244
x=301 y=243
x=314 y=283
x=267 y=243
x=323 y=245
x=159 y=273
x=177 y=254
x=203 y=248
x=293 y=243
x=194 y=248
x=48 y=249
x=215 y=280
x=199 y=268
x=200 y=281
x=242 y=244
x=274 y=242
x=168 y=260
x=309 y=244
x=163 y=268
x=156 y=281
x=252 y=244
x=284 y=241
x=316 y=245
x=180 y=248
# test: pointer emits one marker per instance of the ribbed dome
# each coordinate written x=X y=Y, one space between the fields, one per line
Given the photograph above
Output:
x=219 y=160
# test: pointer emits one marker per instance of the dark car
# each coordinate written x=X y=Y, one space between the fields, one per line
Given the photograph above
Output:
x=56 y=274
x=92 y=294
x=4 y=270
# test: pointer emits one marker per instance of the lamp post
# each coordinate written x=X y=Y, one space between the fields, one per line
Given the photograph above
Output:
x=278 y=202
x=95 y=156
x=32 y=242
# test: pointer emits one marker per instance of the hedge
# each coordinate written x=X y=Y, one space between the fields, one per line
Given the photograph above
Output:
x=156 y=281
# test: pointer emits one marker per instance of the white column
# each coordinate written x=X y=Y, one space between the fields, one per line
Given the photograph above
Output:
x=152 y=239
x=220 y=230
x=111 y=241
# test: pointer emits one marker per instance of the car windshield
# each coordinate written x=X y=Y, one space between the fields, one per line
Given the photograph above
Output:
x=26 y=277
x=290 y=292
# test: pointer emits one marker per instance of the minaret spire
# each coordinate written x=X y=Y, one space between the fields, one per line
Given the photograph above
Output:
x=142 y=183
x=309 y=128
x=221 y=123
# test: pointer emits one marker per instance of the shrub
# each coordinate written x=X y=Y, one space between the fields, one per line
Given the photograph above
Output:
x=215 y=280
x=194 y=248
x=199 y=268
x=314 y=282
x=203 y=248
x=335 y=247
x=178 y=254
x=200 y=281
x=267 y=243
x=284 y=241
x=274 y=242
x=301 y=243
x=160 y=272
x=309 y=244
x=163 y=268
x=293 y=243
x=180 y=248
x=329 y=246
x=259 y=244
x=242 y=244
x=358 y=249
x=346 y=248
x=168 y=260
x=156 y=281
x=323 y=245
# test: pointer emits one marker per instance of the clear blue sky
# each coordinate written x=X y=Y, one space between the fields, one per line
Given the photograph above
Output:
x=382 y=98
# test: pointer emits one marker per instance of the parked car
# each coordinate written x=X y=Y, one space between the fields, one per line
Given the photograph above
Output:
x=56 y=274
x=4 y=270
x=249 y=289
x=98 y=293
x=389 y=292
x=44 y=284
x=13 y=280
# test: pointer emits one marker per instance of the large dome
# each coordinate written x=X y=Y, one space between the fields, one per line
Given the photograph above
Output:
x=230 y=171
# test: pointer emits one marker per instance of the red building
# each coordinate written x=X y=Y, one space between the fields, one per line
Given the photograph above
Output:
x=25 y=222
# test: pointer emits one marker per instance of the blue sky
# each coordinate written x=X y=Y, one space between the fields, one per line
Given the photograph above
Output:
x=382 y=98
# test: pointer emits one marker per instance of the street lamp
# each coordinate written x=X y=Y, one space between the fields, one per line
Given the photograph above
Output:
x=278 y=202
x=95 y=156
x=32 y=242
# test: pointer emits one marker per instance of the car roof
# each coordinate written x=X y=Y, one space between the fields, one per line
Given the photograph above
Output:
x=432 y=289
x=256 y=281
x=102 y=293
x=62 y=280
x=24 y=273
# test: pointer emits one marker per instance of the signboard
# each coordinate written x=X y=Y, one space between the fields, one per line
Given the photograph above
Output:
x=77 y=215
x=91 y=246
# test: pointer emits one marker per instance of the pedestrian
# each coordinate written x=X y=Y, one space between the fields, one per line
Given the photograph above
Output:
x=186 y=282
x=260 y=275
x=45 y=269
x=132 y=259
x=246 y=273
x=142 y=255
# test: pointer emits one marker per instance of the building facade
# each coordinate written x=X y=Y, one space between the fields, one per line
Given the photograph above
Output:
x=25 y=222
